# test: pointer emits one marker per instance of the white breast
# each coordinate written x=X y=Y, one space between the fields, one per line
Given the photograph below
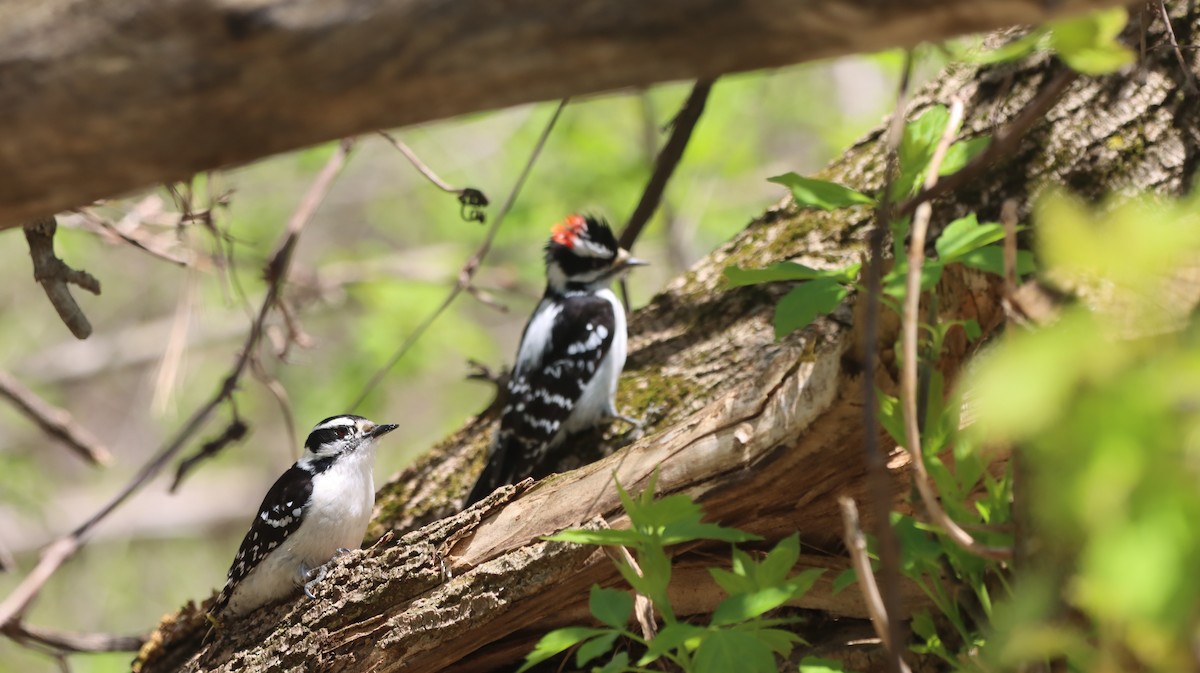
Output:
x=337 y=516
x=598 y=401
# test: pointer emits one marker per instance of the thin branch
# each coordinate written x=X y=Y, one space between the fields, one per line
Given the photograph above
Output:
x=102 y=226
x=55 y=276
x=1188 y=76
x=472 y=200
x=1003 y=143
x=908 y=372
x=856 y=544
x=668 y=159
x=878 y=481
x=65 y=547
x=467 y=272
x=62 y=642
x=54 y=421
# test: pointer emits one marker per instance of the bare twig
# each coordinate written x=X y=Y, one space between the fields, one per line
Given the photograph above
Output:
x=471 y=200
x=142 y=242
x=1008 y=217
x=668 y=159
x=856 y=544
x=65 y=547
x=55 y=276
x=233 y=432
x=55 y=422
x=1003 y=143
x=878 y=480
x=908 y=373
x=1188 y=76
x=467 y=272
x=61 y=642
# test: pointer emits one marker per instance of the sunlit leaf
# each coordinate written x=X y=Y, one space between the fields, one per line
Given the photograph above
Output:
x=672 y=637
x=964 y=235
x=822 y=194
x=557 y=641
x=1089 y=43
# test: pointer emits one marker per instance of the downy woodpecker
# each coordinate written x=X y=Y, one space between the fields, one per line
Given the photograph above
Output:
x=572 y=351
x=319 y=507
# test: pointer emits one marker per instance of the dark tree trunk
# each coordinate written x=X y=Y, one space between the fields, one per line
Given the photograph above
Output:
x=103 y=98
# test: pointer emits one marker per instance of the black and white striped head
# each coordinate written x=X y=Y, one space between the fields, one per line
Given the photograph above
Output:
x=340 y=435
x=583 y=254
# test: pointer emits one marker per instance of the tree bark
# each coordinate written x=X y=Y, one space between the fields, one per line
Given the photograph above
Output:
x=764 y=433
x=127 y=94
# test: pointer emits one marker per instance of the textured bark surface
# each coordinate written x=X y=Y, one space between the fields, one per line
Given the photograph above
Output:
x=763 y=433
x=102 y=97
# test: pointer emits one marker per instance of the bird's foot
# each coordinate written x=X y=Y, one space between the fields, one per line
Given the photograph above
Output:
x=312 y=577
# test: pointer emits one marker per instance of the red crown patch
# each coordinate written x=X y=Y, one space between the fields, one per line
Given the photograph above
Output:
x=564 y=233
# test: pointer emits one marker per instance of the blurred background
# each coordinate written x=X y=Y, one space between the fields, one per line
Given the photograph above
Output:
x=378 y=257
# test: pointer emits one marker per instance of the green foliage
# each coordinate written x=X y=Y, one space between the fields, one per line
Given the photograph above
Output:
x=1102 y=403
x=822 y=194
x=1088 y=44
x=739 y=636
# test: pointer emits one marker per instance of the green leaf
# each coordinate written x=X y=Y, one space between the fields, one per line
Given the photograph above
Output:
x=782 y=271
x=1017 y=49
x=594 y=648
x=740 y=607
x=781 y=642
x=729 y=582
x=813 y=193
x=673 y=509
x=894 y=283
x=672 y=637
x=961 y=153
x=964 y=235
x=610 y=606
x=805 y=302
x=919 y=551
x=686 y=531
x=891 y=416
x=922 y=625
x=775 y=568
x=619 y=663
x=557 y=641
x=843 y=580
x=726 y=651
x=916 y=149
x=991 y=260
x=605 y=536
x=1089 y=43
x=812 y=664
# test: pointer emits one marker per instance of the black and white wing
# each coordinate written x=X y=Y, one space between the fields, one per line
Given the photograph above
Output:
x=545 y=386
x=279 y=516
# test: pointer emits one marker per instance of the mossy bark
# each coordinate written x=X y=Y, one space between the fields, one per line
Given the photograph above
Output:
x=763 y=432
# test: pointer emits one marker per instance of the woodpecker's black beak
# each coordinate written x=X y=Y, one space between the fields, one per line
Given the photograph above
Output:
x=380 y=430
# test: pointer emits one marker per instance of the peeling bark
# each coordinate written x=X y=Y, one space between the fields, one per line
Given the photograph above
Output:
x=104 y=97
x=763 y=433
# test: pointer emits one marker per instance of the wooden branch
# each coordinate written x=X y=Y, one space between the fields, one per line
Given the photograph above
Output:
x=134 y=93
x=54 y=421
x=56 y=277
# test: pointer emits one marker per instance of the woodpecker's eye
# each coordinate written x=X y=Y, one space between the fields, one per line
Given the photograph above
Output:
x=342 y=431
